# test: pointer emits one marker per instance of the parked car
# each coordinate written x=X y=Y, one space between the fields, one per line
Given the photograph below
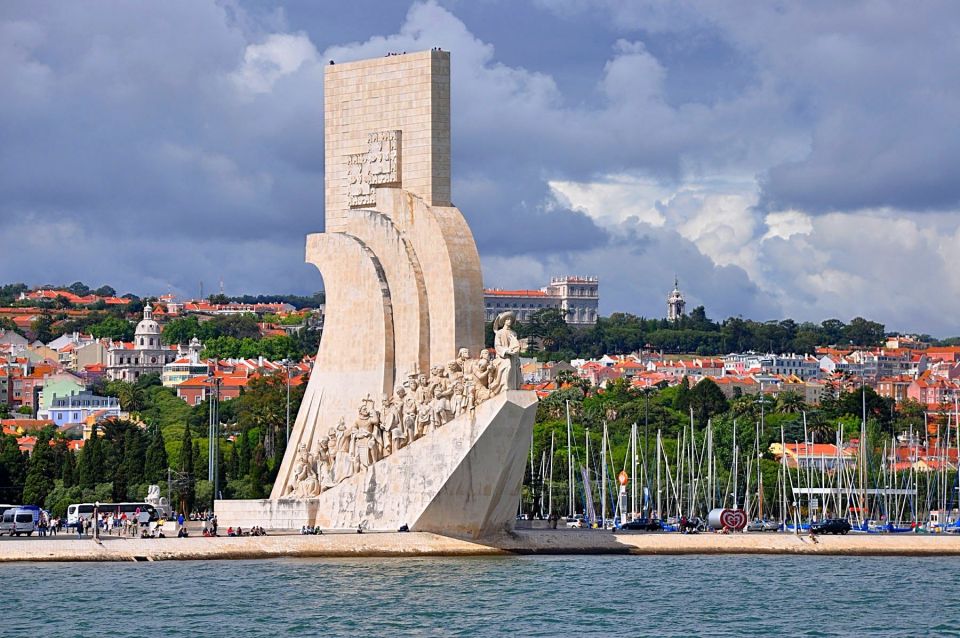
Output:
x=644 y=524
x=831 y=526
x=760 y=525
x=577 y=521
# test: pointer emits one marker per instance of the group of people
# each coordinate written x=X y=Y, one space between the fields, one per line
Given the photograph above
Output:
x=108 y=523
x=253 y=531
x=310 y=530
x=421 y=404
x=49 y=526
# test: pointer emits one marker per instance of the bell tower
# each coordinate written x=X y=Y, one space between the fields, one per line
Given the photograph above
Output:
x=675 y=303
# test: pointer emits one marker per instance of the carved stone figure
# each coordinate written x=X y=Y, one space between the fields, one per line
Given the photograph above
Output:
x=507 y=345
x=364 y=433
x=482 y=375
x=325 y=462
x=441 y=412
x=343 y=465
x=393 y=423
x=410 y=409
x=464 y=361
x=305 y=479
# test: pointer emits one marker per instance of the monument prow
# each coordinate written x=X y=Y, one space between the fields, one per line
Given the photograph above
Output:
x=406 y=419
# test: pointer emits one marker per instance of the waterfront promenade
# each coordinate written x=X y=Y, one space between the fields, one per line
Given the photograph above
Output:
x=387 y=544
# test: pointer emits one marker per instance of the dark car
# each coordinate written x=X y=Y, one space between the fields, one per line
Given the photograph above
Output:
x=831 y=526
x=643 y=524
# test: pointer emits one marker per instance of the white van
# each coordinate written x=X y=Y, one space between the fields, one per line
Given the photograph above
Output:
x=6 y=521
x=24 y=521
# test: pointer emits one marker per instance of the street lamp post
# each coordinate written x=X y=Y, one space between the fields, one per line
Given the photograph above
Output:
x=286 y=367
x=213 y=462
x=96 y=520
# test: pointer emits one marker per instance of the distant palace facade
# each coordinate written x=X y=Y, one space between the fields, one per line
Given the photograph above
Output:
x=577 y=298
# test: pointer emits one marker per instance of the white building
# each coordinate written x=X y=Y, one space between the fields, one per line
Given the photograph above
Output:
x=186 y=366
x=147 y=354
x=577 y=298
x=675 y=303
x=77 y=407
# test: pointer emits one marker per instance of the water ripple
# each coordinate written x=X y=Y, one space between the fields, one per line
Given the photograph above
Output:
x=479 y=597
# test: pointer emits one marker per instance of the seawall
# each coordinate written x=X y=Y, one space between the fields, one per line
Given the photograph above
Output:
x=394 y=544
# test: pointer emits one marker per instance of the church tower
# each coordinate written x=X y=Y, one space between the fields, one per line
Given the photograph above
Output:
x=675 y=303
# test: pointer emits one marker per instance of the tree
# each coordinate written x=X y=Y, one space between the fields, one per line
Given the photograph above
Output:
x=62 y=303
x=861 y=332
x=681 y=402
x=13 y=469
x=40 y=474
x=181 y=330
x=789 y=403
x=105 y=291
x=130 y=395
x=258 y=471
x=69 y=469
x=91 y=461
x=156 y=463
x=134 y=456
x=185 y=465
x=707 y=400
x=41 y=328
x=113 y=328
x=79 y=288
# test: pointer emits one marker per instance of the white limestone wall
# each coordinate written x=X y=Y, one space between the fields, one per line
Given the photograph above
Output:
x=410 y=93
x=463 y=479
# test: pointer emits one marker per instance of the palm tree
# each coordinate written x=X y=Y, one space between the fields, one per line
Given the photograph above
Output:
x=789 y=403
x=819 y=428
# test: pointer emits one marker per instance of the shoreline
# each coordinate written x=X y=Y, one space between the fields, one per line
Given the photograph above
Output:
x=424 y=544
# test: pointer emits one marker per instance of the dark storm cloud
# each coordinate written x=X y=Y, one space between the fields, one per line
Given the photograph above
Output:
x=152 y=146
x=871 y=86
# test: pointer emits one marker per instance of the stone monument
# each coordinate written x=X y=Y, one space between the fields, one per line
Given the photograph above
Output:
x=407 y=419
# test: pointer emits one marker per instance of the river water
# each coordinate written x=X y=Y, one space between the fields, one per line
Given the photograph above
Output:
x=479 y=597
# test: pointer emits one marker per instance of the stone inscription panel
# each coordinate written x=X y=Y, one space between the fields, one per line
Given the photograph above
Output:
x=379 y=165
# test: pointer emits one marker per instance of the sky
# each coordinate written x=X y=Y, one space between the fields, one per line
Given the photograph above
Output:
x=780 y=159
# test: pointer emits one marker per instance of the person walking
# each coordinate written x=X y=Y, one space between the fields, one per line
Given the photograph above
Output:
x=180 y=521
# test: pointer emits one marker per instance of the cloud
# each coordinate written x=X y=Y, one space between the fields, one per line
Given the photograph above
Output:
x=781 y=160
x=281 y=54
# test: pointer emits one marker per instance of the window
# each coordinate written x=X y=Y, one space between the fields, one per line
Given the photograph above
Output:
x=151 y=341
x=141 y=341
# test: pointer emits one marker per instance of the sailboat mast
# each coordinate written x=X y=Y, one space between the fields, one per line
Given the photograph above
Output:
x=659 y=511
x=736 y=483
x=588 y=488
x=570 y=485
x=550 y=489
x=756 y=448
x=603 y=476
x=691 y=495
x=633 y=472
x=710 y=477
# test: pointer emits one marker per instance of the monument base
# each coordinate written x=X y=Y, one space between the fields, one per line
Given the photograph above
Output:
x=462 y=479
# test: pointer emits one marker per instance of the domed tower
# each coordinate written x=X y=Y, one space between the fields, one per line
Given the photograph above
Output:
x=675 y=303
x=147 y=335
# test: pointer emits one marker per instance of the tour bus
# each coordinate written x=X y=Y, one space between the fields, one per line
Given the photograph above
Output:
x=85 y=511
